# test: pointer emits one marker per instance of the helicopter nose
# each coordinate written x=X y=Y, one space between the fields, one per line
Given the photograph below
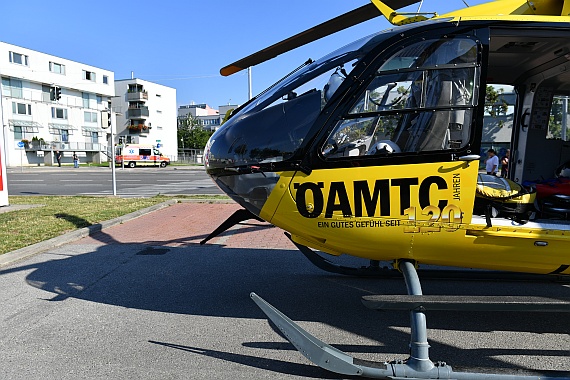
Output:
x=248 y=187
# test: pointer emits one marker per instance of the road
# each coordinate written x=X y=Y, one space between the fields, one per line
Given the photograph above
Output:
x=137 y=182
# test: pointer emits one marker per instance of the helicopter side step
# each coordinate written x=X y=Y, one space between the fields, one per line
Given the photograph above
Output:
x=466 y=303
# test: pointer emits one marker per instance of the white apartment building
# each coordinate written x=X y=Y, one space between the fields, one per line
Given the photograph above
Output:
x=146 y=114
x=211 y=119
x=51 y=103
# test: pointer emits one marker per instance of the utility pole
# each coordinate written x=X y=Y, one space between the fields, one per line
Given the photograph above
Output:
x=249 y=82
x=3 y=155
x=113 y=171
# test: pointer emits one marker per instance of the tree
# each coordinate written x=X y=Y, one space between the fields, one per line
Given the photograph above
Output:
x=495 y=105
x=191 y=134
x=227 y=116
x=557 y=113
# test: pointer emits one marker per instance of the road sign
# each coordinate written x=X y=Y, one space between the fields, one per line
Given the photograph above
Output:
x=20 y=144
x=158 y=145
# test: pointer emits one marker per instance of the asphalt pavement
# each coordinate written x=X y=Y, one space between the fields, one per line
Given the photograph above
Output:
x=97 y=181
x=140 y=298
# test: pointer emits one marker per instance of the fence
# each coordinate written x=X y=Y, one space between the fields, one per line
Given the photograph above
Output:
x=191 y=156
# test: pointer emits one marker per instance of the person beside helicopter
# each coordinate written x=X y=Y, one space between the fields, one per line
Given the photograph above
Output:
x=492 y=162
x=505 y=164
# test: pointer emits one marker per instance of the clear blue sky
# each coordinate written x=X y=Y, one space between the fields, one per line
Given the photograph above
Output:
x=183 y=44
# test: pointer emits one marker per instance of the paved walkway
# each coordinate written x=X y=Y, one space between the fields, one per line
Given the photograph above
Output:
x=183 y=224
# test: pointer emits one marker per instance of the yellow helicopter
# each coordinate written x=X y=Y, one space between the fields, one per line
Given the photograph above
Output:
x=374 y=151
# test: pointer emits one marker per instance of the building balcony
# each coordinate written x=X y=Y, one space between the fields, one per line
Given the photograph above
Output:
x=140 y=128
x=137 y=96
x=137 y=113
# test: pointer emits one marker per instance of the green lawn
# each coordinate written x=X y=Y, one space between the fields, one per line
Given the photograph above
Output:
x=58 y=215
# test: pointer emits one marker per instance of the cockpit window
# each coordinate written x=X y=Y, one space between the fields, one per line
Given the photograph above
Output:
x=432 y=53
x=421 y=99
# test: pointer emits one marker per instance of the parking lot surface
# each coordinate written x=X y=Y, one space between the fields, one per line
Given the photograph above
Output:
x=143 y=300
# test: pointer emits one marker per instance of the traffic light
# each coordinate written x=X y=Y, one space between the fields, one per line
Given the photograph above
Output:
x=57 y=93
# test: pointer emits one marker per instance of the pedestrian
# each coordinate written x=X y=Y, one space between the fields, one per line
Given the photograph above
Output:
x=505 y=164
x=75 y=160
x=492 y=162
x=58 y=157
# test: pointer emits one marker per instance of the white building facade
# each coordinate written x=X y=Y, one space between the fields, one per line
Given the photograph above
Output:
x=51 y=103
x=146 y=114
x=209 y=118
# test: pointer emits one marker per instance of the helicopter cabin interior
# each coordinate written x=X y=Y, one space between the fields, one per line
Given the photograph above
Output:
x=537 y=64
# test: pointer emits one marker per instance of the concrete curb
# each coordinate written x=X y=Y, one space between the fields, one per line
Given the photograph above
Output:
x=31 y=250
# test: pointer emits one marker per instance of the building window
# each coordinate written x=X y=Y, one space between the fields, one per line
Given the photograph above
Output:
x=21 y=108
x=19 y=59
x=59 y=113
x=85 y=97
x=57 y=68
x=94 y=137
x=64 y=135
x=90 y=117
x=99 y=99
x=89 y=75
x=18 y=133
x=12 y=87
x=105 y=79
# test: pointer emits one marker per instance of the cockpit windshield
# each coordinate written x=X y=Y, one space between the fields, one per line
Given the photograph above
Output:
x=273 y=126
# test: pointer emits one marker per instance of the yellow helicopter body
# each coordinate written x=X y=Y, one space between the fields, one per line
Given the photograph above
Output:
x=411 y=230
x=417 y=206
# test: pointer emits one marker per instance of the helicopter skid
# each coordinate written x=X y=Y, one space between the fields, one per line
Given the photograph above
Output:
x=466 y=303
x=417 y=366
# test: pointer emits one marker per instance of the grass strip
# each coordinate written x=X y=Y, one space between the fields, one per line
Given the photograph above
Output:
x=59 y=215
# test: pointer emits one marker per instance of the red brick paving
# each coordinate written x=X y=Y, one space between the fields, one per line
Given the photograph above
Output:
x=184 y=224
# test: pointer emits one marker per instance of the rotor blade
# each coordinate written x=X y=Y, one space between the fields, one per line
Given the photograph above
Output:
x=354 y=17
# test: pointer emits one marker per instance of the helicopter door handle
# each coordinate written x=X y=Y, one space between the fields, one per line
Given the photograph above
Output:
x=524 y=125
x=471 y=157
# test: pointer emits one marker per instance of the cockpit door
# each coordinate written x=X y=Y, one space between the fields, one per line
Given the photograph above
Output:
x=396 y=160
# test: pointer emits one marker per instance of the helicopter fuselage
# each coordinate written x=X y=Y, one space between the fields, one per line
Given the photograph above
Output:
x=384 y=163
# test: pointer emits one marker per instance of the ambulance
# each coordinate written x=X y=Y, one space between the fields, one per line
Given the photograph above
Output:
x=133 y=155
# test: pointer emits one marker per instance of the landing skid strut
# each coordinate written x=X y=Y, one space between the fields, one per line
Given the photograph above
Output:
x=417 y=366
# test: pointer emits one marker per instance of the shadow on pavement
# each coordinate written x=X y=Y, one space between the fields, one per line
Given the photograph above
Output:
x=215 y=280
